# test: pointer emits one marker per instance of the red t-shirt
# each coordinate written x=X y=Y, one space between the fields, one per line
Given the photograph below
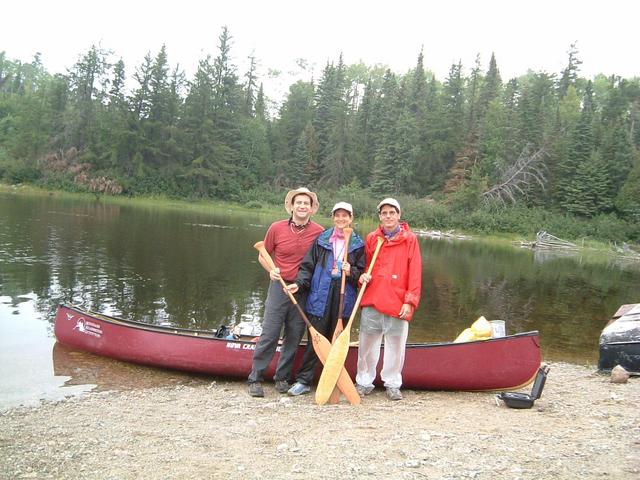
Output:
x=287 y=245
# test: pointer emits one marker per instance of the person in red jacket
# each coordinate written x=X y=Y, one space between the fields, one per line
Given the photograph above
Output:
x=390 y=300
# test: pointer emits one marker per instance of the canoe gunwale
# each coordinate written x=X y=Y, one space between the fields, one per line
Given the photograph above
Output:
x=198 y=333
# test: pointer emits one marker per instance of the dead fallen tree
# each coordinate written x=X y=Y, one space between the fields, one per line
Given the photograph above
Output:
x=528 y=169
x=546 y=240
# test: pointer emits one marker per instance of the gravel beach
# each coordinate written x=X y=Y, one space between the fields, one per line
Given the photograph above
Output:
x=584 y=426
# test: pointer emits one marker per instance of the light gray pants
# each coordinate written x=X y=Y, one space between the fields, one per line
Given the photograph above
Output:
x=373 y=327
x=279 y=312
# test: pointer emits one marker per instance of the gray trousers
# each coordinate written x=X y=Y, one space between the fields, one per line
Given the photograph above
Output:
x=279 y=312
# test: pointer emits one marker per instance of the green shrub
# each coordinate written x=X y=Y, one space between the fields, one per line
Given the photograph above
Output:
x=253 y=204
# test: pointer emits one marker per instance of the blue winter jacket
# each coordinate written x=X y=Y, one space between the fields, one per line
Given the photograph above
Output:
x=315 y=273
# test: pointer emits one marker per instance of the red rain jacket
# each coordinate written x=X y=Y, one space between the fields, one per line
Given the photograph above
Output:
x=397 y=274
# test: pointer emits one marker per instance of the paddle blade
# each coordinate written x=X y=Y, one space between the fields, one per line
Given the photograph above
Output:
x=322 y=347
x=332 y=368
x=335 y=396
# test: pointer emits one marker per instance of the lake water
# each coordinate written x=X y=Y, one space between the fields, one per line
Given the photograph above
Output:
x=169 y=265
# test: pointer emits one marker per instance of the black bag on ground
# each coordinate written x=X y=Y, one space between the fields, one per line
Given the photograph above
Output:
x=525 y=400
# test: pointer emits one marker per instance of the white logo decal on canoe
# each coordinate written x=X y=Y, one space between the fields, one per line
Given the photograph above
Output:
x=88 y=328
x=70 y=316
x=245 y=346
x=241 y=346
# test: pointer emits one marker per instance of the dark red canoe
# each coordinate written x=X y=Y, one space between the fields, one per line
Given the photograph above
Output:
x=498 y=364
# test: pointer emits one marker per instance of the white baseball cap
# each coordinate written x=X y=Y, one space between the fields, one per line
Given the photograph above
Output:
x=390 y=201
x=342 y=206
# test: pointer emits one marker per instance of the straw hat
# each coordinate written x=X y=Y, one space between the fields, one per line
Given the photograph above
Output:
x=288 y=201
x=390 y=201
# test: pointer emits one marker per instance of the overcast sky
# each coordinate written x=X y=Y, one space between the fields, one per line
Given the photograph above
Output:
x=532 y=35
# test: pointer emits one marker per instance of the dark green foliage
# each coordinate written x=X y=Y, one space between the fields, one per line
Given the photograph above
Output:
x=358 y=132
x=628 y=198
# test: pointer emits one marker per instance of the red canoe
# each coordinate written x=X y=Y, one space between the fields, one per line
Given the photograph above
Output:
x=498 y=364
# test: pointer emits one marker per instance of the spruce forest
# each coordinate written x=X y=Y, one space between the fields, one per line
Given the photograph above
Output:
x=472 y=150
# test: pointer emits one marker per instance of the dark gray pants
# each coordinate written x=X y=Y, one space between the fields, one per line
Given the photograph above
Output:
x=326 y=326
x=279 y=311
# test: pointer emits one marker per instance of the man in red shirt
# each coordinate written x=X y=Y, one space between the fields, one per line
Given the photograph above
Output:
x=392 y=296
x=287 y=241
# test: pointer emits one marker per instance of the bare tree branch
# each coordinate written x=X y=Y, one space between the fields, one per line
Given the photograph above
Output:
x=527 y=169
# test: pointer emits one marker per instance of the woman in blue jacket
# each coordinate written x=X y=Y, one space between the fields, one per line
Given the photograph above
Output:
x=321 y=274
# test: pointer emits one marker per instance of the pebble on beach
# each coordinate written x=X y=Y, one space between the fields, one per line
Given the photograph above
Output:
x=619 y=375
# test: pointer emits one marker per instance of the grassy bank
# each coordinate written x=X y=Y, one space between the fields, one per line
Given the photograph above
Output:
x=605 y=233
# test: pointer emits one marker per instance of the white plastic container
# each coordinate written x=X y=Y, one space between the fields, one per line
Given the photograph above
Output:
x=498 y=328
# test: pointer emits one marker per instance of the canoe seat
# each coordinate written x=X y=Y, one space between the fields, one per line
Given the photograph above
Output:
x=525 y=400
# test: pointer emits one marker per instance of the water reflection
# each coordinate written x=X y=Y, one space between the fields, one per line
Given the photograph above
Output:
x=101 y=373
x=149 y=265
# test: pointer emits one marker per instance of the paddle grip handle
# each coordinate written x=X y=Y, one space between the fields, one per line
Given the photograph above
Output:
x=347 y=236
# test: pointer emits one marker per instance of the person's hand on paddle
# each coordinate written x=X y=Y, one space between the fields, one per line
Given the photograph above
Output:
x=274 y=274
x=406 y=310
x=365 y=278
x=293 y=287
x=346 y=268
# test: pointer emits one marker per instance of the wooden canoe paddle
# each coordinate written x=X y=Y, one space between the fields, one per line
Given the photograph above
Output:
x=338 y=353
x=339 y=326
x=335 y=394
x=320 y=343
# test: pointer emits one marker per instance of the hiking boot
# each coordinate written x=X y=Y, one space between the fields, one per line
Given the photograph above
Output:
x=362 y=390
x=255 y=389
x=299 y=389
x=394 y=393
x=282 y=386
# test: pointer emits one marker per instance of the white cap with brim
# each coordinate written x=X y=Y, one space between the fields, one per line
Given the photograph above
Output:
x=342 y=206
x=390 y=201
x=288 y=201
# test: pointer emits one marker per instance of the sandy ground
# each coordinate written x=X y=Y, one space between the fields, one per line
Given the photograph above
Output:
x=582 y=427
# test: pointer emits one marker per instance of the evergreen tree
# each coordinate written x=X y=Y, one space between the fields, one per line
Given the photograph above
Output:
x=116 y=97
x=305 y=166
x=367 y=133
x=513 y=141
x=451 y=133
x=570 y=73
x=159 y=88
x=197 y=122
x=628 y=198
x=383 y=177
x=115 y=147
x=536 y=107
x=330 y=124
x=492 y=158
x=142 y=94
x=474 y=86
x=413 y=139
x=296 y=112
x=491 y=86
x=588 y=192
x=574 y=171
x=260 y=105
x=86 y=82
x=250 y=87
